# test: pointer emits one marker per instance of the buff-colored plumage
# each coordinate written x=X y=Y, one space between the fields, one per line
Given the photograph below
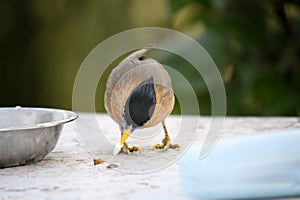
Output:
x=124 y=79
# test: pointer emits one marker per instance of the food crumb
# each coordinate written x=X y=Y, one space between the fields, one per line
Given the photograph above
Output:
x=111 y=166
x=62 y=160
x=98 y=161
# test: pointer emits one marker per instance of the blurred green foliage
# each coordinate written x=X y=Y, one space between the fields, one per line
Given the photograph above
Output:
x=254 y=43
x=44 y=42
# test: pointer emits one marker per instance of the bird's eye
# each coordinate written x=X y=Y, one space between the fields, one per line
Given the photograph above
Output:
x=142 y=58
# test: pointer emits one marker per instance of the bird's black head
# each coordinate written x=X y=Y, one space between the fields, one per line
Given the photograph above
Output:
x=140 y=105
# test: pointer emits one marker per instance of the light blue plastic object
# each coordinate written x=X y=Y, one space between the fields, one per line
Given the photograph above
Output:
x=262 y=165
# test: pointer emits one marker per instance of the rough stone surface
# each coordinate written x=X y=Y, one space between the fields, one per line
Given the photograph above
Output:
x=68 y=172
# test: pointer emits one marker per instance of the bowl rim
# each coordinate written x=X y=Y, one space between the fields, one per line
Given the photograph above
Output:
x=68 y=117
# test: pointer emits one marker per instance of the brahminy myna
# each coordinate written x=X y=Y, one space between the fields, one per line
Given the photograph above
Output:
x=138 y=95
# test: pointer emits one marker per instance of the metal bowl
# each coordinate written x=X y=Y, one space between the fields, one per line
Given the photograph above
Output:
x=27 y=135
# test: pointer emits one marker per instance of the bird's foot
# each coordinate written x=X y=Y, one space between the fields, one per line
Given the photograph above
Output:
x=127 y=149
x=166 y=144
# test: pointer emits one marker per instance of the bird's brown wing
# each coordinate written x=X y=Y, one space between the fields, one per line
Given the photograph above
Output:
x=127 y=76
x=164 y=97
x=127 y=64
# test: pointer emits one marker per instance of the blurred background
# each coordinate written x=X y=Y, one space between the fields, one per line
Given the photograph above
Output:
x=255 y=44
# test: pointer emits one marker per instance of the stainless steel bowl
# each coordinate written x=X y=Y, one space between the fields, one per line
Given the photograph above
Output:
x=27 y=135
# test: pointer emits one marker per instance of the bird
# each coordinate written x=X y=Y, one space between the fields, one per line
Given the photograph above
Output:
x=139 y=95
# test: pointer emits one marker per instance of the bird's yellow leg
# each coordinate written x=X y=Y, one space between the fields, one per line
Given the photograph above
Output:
x=166 y=142
x=127 y=149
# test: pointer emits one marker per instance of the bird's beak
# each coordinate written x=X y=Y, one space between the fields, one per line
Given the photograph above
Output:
x=125 y=135
x=120 y=145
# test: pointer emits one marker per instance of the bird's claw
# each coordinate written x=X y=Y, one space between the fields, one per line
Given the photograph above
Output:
x=127 y=149
x=166 y=144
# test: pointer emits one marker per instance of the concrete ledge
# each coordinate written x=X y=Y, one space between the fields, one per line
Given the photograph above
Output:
x=68 y=172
